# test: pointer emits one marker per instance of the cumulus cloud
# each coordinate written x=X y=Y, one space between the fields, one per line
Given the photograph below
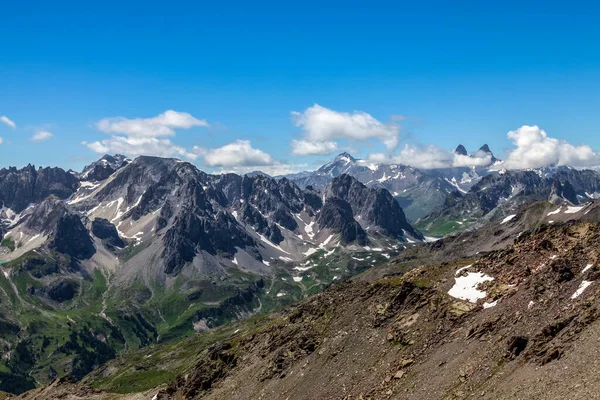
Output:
x=306 y=147
x=534 y=149
x=145 y=136
x=478 y=159
x=1 y=140
x=7 y=121
x=133 y=146
x=41 y=136
x=277 y=169
x=162 y=125
x=320 y=124
x=240 y=157
x=431 y=157
x=426 y=157
x=236 y=154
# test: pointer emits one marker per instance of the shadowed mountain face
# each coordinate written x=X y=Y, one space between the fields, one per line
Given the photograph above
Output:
x=20 y=188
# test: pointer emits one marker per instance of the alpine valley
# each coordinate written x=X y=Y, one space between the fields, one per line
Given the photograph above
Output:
x=150 y=279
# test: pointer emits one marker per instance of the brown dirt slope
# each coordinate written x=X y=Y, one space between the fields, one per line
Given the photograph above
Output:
x=403 y=337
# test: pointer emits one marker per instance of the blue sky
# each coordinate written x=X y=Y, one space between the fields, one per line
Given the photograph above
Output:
x=466 y=73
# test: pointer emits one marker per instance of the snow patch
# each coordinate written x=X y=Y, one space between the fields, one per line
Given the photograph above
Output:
x=584 y=285
x=490 y=304
x=465 y=287
x=573 y=210
x=310 y=251
x=509 y=218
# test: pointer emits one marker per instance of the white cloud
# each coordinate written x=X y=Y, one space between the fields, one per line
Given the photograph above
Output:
x=1 y=140
x=305 y=147
x=145 y=136
x=321 y=124
x=41 y=136
x=431 y=157
x=162 y=125
x=276 y=169
x=426 y=157
x=240 y=157
x=236 y=154
x=478 y=159
x=5 y=120
x=133 y=147
x=534 y=149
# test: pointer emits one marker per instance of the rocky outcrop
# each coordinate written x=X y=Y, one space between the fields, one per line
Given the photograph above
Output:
x=72 y=238
x=374 y=208
x=106 y=231
x=20 y=188
x=461 y=150
x=337 y=216
x=103 y=168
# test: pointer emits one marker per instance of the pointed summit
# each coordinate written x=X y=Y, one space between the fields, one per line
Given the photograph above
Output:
x=345 y=157
x=461 y=150
x=338 y=165
x=485 y=148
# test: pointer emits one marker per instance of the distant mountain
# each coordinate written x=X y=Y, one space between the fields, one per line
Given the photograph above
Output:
x=499 y=194
x=418 y=191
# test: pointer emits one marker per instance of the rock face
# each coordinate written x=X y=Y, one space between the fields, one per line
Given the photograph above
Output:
x=19 y=188
x=103 y=229
x=72 y=238
x=372 y=207
x=337 y=216
x=68 y=234
x=460 y=150
x=103 y=168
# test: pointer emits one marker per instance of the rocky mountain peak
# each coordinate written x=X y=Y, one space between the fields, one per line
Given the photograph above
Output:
x=104 y=167
x=485 y=148
x=461 y=150
x=344 y=157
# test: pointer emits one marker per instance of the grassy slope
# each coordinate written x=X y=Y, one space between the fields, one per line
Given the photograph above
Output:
x=45 y=340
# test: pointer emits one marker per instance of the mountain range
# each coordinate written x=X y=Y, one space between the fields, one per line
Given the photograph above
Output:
x=444 y=200
x=147 y=250
x=418 y=191
x=129 y=260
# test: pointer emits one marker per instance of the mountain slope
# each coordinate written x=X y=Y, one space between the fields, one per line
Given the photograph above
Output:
x=514 y=322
